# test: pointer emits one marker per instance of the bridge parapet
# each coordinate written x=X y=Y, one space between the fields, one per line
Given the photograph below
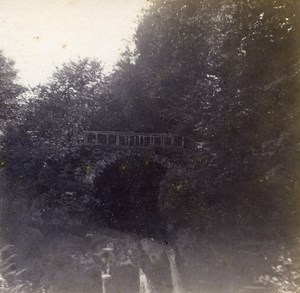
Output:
x=131 y=139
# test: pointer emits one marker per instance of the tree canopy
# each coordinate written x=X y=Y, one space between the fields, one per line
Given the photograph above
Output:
x=224 y=74
x=9 y=88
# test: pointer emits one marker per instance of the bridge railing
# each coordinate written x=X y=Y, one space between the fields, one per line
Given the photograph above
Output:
x=129 y=139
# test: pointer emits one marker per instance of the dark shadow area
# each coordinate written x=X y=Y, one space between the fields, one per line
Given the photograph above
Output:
x=129 y=196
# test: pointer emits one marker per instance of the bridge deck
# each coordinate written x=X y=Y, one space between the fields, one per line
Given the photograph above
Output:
x=131 y=139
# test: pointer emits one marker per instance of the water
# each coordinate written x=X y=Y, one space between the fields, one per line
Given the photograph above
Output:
x=144 y=283
x=175 y=276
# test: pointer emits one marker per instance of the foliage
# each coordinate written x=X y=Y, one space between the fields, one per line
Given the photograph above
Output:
x=41 y=147
x=74 y=100
x=11 y=278
x=9 y=88
x=221 y=74
x=180 y=202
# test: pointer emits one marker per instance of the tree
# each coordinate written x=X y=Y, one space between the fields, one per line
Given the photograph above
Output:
x=219 y=73
x=73 y=101
x=9 y=88
x=41 y=147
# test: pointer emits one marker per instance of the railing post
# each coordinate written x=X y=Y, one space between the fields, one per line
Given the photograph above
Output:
x=118 y=139
x=96 y=142
x=106 y=139
x=172 y=141
x=163 y=141
x=85 y=138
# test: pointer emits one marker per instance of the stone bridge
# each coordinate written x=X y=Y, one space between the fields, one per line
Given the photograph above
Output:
x=125 y=171
x=104 y=148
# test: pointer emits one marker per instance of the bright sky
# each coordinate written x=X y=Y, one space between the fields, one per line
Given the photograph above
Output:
x=42 y=34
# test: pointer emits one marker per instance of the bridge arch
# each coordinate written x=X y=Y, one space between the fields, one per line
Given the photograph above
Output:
x=111 y=158
x=130 y=202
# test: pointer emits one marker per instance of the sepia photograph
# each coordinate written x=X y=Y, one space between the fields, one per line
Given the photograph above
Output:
x=149 y=146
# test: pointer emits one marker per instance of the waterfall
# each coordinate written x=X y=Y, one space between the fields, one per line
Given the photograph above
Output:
x=144 y=283
x=175 y=276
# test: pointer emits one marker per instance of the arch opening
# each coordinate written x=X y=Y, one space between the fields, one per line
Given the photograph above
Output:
x=128 y=196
